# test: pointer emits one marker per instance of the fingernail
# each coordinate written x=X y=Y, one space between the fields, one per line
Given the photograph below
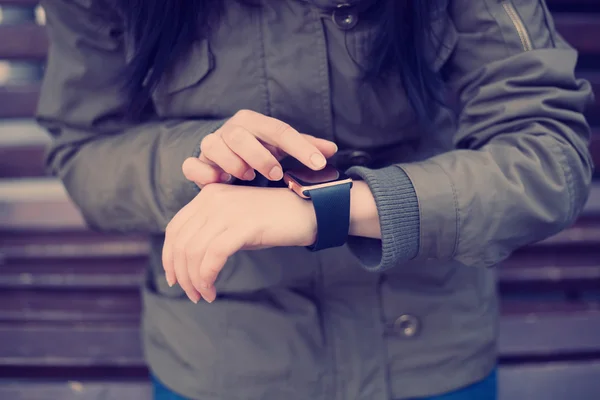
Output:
x=169 y=281
x=195 y=299
x=249 y=175
x=225 y=177
x=276 y=173
x=336 y=148
x=318 y=160
x=211 y=298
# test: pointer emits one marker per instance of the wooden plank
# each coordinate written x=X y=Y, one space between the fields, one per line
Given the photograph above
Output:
x=21 y=101
x=556 y=381
x=550 y=2
x=18 y=101
x=117 y=344
x=29 y=41
x=580 y=30
x=27 y=160
x=23 y=3
x=69 y=245
x=571 y=380
x=37 y=204
x=107 y=389
x=75 y=276
x=119 y=269
x=41 y=204
x=552 y=333
x=582 y=234
x=22 y=161
x=23 y=146
x=76 y=306
x=593 y=111
x=531 y=265
x=76 y=344
x=23 y=41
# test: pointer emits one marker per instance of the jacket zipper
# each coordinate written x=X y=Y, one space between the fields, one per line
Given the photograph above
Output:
x=519 y=25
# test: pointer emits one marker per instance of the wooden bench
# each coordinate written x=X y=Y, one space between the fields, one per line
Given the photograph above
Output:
x=69 y=302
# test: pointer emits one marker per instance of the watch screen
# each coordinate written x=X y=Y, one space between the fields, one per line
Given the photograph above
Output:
x=307 y=177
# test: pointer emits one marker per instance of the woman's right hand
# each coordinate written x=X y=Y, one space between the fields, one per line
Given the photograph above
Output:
x=250 y=141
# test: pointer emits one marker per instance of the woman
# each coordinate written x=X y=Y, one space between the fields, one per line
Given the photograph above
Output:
x=460 y=123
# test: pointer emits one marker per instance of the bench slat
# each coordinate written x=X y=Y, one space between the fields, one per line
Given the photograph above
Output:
x=556 y=381
x=30 y=41
x=21 y=101
x=551 y=333
x=18 y=101
x=117 y=344
x=76 y=344
x=580 y=30
x=570 y=269
x=69 y=306
x=23 y=41
x=533 y=265
x=21 y=2
x=26 y=159
x=75 y=390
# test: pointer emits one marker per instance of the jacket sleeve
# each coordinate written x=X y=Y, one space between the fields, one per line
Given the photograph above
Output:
x=123 y=175
x=521 y=169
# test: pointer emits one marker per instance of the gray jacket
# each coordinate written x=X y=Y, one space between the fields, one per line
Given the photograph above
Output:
x=411 y=315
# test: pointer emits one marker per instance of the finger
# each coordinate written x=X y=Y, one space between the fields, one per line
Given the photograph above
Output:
x=281 y=135
x=218 y=251
x=252 y=151
x=196 y=254
x=193 y=238
x=181 y=272
x=168 y=266
x=326 y=147
x=171 y=232
x=183 y=245
x=202 y=173
x=214 y=149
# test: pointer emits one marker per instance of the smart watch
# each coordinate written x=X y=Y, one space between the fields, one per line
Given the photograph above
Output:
x=329 y=190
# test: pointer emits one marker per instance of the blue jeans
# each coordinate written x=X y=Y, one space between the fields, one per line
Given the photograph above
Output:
x=484 y=390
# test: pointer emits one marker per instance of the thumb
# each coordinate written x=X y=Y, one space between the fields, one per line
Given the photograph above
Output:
x=201 y=173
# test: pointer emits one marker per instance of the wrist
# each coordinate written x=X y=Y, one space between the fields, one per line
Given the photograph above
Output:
x=304 y=209
x=364 y=218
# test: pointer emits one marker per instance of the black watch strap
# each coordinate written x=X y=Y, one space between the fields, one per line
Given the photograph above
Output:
x=332 y=208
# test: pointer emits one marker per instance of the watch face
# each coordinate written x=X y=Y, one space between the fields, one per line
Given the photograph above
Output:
x=305 y=176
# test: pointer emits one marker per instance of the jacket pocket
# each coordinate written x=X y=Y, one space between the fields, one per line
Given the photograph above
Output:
x=187 y=73
x=272 y=347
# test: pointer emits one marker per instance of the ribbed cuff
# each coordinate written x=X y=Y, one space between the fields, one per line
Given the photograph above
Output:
x=210 y=128
x=398 y=209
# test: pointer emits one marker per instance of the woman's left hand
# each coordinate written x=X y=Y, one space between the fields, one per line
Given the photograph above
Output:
x=223 y=219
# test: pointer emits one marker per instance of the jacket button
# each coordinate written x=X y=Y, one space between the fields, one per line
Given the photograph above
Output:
x=407 y=325
x=359 y=158
x=344 y=17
